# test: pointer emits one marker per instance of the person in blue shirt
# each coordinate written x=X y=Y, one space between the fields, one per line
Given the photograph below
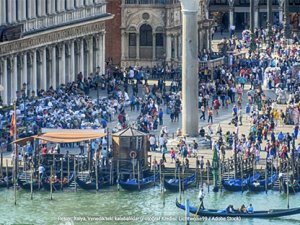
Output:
x=280 y=137
x=29 y=149
x=160 y=116
x=250 y=209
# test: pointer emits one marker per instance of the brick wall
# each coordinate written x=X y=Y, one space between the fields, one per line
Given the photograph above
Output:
x=113 y=33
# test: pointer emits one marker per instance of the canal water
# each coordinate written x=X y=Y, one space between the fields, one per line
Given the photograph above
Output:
x=148 y=207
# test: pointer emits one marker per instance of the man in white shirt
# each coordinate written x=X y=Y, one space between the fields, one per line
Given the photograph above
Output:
x=201 y=196
x=152 y=141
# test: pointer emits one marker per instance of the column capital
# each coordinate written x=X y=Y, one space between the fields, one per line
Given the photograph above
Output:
x=231 y=3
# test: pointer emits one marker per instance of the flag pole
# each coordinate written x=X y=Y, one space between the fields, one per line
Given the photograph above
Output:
x=14 y=131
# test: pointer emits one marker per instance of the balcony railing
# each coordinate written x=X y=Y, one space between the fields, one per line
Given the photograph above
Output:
x=150 y=2
x=64 y=17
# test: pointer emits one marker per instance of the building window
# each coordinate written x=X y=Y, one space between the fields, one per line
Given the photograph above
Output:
x=146 y=35
x=159 y=40
x=132 y=39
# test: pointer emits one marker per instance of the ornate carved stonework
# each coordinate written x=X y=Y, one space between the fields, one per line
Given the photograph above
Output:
x=50 y=38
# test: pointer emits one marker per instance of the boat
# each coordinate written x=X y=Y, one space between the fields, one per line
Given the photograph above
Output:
x=173 y=184
x=256 y=214
x=56 y=186
x=237 y=184
x=91 y=184
x=134 y=185
x=26 y=184
x=4 y=182
x=260 y=185
x=293 y=187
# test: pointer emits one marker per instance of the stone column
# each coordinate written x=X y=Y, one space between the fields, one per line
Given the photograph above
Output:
x=269 y=19
x=81 y=68
x=50 y=7
x=70 y=4
x=101 y=54
x=44 y=69
x=137 y=46
x=72 y=61
x=21 y=10
x=280 y=12
x=79 y=3
x=53 y=65
x=91 y=56
x=4 y=81
x=104 y=56
x=285 y=4
x=189 y=9
x=123 y=44
x=41 y=8
x=252 y=16
x=168 y=47
x=11 y=11
x=31 y=7
x=34 y=72
x=3 y=13
x=25 y=71
x=14 y=80
x=62 y=64
x=154 y=46
x=256 y=13
x=231 y=13
x=176 y=47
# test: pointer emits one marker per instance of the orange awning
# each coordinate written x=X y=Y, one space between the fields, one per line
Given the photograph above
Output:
x=69 y=137
x=23 y=141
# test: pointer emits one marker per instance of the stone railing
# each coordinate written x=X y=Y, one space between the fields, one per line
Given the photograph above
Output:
x=150 y=2
x=64 y=17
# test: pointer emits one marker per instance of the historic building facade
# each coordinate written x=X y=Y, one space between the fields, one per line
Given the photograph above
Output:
x=57 y=40
x=151 y=32
x=237 y=12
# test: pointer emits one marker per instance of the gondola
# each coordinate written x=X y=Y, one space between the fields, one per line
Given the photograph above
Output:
x=237 y=184
x=56 y=186
x=293 y=187
x=91 y=184
x=260 y=185
x=173 y=184
x=26 y=184
x=134 y=185
x=256 y=214
x=4 y=183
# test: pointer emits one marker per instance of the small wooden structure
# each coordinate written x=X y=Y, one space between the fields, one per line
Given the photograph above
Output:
x=130 y=146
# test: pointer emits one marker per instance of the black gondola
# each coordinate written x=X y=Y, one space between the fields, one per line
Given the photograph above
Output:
x=293 y=187
x=237 y=184
x=256 y=214
x=134 y=185
x=56 y=186
x=91 y=184
x=5 y=183
x=173 y=184
x=260 y=185
x=26 y=184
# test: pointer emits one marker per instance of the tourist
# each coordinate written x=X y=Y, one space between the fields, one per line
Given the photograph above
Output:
x=201 y=196
x=173 y=156
x=152 y=142
x=250 y=209
x=243 y=209
x=210 y=115
x=195 y=148
x=41 y=171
